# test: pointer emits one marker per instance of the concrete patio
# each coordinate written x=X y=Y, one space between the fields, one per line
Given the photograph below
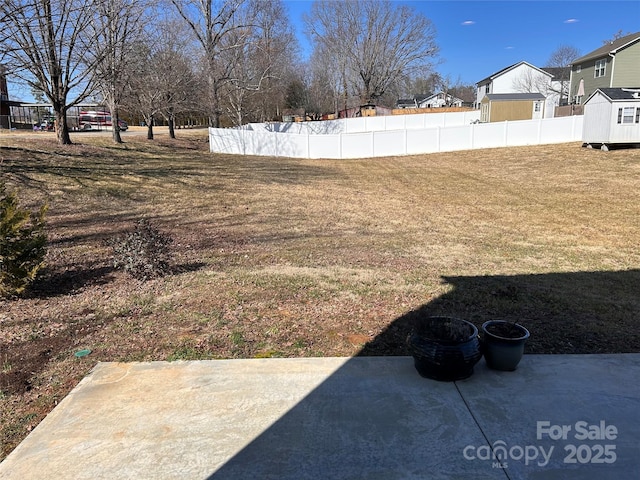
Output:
x=556 y=417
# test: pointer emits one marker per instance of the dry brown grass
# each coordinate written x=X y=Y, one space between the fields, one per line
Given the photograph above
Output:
x=288 y=257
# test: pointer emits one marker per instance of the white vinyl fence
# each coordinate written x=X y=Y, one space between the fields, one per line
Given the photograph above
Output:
x=390 y=136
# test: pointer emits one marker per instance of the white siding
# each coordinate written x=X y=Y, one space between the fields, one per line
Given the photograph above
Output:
x=624 y=132
x=524 y=79
x=601 y=121
x=597 y=120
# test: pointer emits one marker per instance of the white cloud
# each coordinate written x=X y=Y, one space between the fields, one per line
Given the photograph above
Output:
x=509 y=48
x=572 y=20
x=468 y=22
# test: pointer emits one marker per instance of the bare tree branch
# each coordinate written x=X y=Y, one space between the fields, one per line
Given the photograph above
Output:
x=44 y=43
x=374 y=43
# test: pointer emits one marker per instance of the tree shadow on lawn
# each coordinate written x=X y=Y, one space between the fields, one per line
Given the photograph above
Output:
x=59 y=283
x=345 y=422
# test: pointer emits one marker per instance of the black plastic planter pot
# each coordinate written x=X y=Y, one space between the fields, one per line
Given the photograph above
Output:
x=444 y=348
x=503 y=344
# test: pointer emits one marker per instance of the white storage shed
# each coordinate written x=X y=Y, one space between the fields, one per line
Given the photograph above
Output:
x=612 y=117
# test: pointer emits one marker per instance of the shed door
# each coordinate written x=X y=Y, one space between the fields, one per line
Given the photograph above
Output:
x=538 y=109
x=484 y=112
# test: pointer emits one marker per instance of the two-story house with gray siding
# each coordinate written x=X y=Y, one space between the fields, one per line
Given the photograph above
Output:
x=616 y=64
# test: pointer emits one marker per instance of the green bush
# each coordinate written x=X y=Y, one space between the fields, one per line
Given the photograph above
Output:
x=23 y=244
x=143 y=253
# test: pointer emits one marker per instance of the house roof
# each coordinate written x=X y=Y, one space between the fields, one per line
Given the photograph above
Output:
x=435 y=95
x=414 y=100
x=506 y=69
x=609 y=48
x=499 y=97
x=559 y=73
x=614 y=94
x=405 y=101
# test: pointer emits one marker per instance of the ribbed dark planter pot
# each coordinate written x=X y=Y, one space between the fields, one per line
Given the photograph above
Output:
x=444 y=348
x=503 y=344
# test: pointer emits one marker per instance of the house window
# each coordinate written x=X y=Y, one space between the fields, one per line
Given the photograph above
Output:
x=626 y=114
x=600 y=68
x=578 y=68
x=536 y=107
x=638 y=115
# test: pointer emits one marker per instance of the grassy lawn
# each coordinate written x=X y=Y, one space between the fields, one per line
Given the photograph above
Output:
x=288 y=257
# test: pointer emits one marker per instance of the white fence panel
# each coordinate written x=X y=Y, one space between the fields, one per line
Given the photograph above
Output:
x=375 y=124
x=522 y=132
x=434 y=120
x=389 y=143
x=324 y=146
x=453 y=119
x=357 y=145
x=415 y=122
x=488 y=135
x=423 y=141
x=557 y=130
x=399 y=122
x=354 y=125
x=261 y=143
x=455 y=138
x=226 y=141
x=327 y=127
x=293 y=145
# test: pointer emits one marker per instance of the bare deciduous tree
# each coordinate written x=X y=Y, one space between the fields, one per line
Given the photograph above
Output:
x=44 y=45
x=561 y=58
x=532 y=82
x=616 y=36
x=163 y=80
x=248 y=47
x=116 y=27
x=374 y=42
x=213 y=22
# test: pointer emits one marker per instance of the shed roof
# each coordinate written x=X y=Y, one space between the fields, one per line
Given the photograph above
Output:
x=618 y=94
x=500 y=97
x=612 y=47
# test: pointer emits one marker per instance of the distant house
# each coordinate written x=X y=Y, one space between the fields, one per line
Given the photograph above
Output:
x=559 y=87
x=498 y=107
x=612 y=117
x=406 y=103
x=521 y=77
x=440 y=99
x=433 y=100
x=616 y=64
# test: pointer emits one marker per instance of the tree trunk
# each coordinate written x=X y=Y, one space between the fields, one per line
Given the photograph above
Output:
x=115 y=125
x=149 y=127
x=171 y=120
x=62 y=130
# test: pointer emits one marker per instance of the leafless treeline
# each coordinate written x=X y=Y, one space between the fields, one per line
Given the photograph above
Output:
x=232 y=61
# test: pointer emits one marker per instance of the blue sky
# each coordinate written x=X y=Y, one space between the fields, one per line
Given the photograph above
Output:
x=478 y=38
